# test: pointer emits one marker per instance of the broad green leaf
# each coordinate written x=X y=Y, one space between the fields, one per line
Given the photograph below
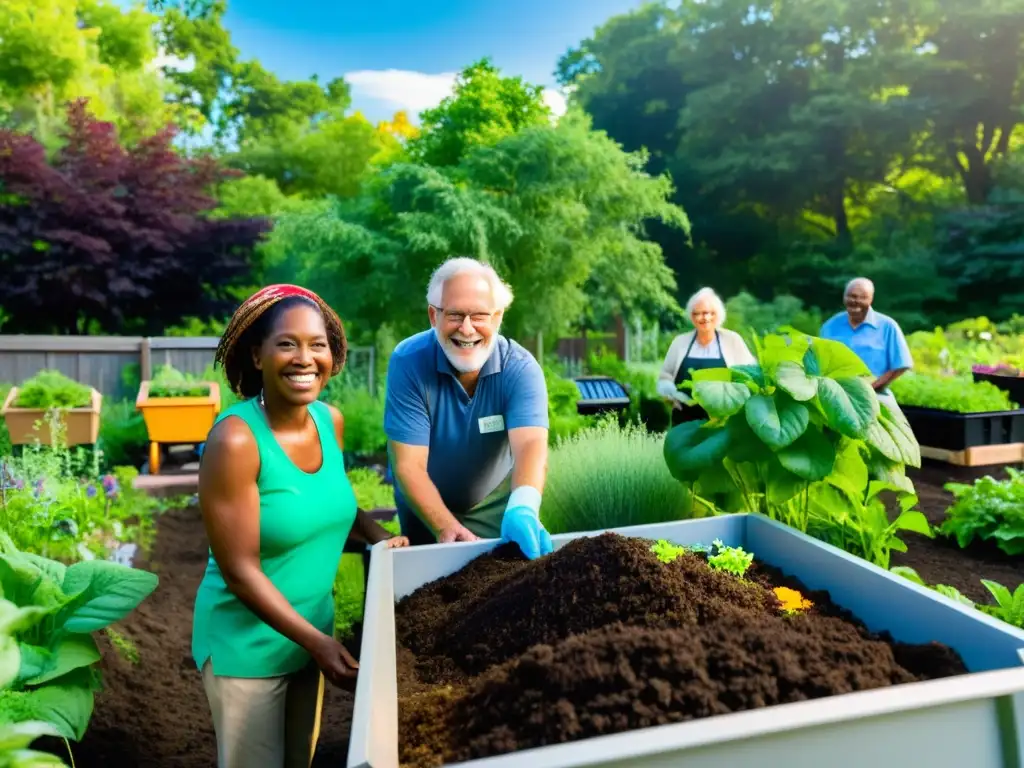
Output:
x=811 y=457
x=10 y=661
x=834 y=360
x=896 y=424
x=850 y=472
x=712 y=374
x=66 y=704
x=881 y=468
x=999 y=592
x=913 y=521
x=102 y=593
x=716 y=479
x=749 y=373
x=20 y=735
x=778 y=349
x=721 y=399
x=72 y=652
x=908 y=573
x=791 y=379
x=850 y=405
x=52 y=568
x=690 y=448
x=776 y=420
x=34 y=661
x=744 y=445
x=878 y=437
x=18 y=619
x=783 y=485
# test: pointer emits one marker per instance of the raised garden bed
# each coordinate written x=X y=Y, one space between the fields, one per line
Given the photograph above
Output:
x=525 y=661
x=81 y=424
x=1011 y=382
x=956 y=431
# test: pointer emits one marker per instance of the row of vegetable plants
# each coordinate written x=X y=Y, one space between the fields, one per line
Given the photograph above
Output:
x=69 y=535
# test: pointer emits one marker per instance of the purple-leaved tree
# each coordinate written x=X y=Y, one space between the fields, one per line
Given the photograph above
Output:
x=105 y=238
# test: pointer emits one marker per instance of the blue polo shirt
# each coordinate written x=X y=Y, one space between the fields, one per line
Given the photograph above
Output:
x=426 y=405
x=878 y=341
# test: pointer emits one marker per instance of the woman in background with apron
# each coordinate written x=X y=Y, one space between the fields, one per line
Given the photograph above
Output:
x=708 y=345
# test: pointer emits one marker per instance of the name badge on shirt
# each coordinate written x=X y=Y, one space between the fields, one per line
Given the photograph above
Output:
x=490 y=424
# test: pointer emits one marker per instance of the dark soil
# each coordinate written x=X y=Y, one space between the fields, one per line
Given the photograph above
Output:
x=153 y=713
x=601 y=637
x=941 y=560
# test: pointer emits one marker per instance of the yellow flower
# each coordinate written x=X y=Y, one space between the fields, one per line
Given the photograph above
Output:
x=792 y=601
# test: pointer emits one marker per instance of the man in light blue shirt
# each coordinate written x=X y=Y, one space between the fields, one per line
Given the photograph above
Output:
x=466 y=416
x=876 y=338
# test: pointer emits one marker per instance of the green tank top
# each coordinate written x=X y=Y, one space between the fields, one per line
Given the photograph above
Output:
x=305 y=519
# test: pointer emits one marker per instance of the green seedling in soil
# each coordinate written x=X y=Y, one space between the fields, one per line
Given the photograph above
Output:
x=801 y=437
x=666 y=551
x=732 y=559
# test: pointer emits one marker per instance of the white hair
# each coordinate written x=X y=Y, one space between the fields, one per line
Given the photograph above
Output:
x=706 y=294
x=463 y=265
x=859 y=281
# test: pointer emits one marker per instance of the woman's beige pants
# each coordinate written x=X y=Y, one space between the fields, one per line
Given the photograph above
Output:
x=271 y=722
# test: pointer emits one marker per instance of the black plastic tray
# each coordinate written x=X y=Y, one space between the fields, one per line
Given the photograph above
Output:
x=1012 y=385
x=957 y=431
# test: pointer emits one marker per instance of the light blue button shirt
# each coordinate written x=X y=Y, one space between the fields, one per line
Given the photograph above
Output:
x=878 y=341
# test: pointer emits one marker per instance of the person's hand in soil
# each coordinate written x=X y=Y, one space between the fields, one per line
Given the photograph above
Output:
x=396 y=542
x=522 y=525
x=335 y=661
x=456 y=532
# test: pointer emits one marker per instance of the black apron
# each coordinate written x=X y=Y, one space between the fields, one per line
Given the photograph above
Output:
x=692 y=411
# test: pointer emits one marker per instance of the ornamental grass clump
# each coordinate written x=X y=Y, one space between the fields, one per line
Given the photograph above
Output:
x=609 y=476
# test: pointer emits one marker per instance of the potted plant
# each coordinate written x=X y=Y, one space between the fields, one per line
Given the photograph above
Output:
x=50 y=392
x=177 y=409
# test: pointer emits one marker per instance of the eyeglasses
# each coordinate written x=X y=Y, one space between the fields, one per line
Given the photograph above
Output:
x=458 y=318
x=708 y=313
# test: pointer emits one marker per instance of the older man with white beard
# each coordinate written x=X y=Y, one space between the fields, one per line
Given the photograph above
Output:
x=466 y=418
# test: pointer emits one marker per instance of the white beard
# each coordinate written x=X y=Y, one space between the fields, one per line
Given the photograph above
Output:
x=458 y=358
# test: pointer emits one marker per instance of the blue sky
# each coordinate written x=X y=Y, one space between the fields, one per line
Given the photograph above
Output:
x=402 y=53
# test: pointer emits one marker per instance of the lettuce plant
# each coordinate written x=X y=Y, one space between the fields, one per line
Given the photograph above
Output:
x=801 y=437
x=990 y=510
x=50 y=648
x=52 y=389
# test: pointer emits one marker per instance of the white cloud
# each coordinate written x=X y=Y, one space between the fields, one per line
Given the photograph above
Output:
x=417 y=91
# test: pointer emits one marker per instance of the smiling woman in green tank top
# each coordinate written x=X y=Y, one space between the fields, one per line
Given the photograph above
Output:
x=278 y=508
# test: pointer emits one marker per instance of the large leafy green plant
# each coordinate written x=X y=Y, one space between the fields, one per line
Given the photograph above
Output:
x=989 y=509
x=51 y=649
x=802 y=437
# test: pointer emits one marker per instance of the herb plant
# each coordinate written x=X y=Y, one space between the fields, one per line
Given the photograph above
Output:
x=731 y=559
x=609 y=476
x=990 y=510
x=170 y=382
x=52 y=389
x=802 y=438
x=666 y=551
x=957 y=394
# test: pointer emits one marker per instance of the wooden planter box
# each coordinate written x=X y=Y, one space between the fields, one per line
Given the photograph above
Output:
x=82 y=425
x=968 y=439
x=176 y=419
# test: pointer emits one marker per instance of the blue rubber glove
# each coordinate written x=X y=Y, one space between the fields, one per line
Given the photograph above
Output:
x=521 y=523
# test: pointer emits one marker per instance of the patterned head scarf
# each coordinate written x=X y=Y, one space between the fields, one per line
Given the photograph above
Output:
x=253 y=308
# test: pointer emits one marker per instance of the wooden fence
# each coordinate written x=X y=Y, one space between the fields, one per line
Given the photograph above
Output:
x=99 y=361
